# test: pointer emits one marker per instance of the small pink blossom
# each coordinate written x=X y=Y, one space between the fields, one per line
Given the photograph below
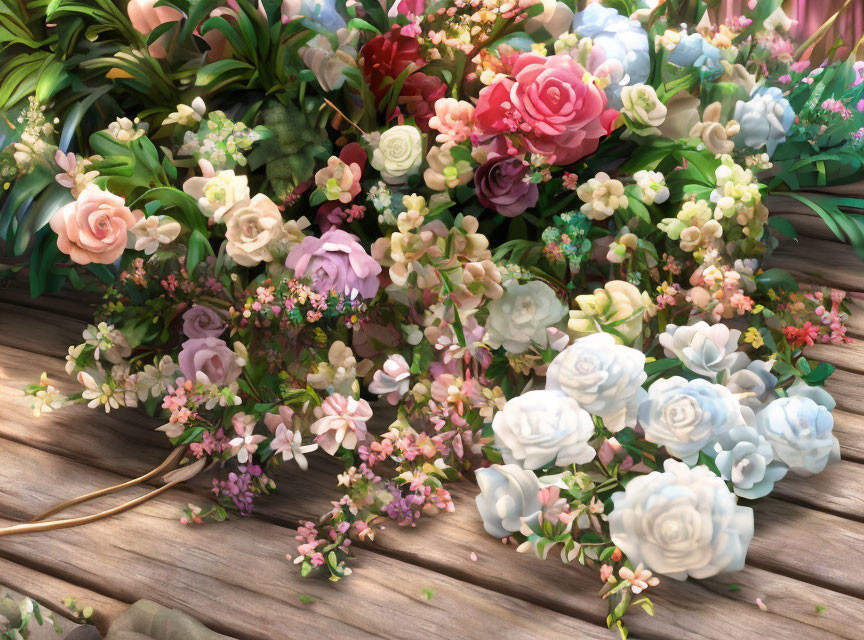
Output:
x=245 y=443
x=341 y=421
x=393 y=379
x=453 y=120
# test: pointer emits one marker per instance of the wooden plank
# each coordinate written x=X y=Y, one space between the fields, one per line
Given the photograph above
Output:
x=307 y=499
x=50 y=592
x=38 y=331
x=843 y=356
x=817 y=261
x=234 y=577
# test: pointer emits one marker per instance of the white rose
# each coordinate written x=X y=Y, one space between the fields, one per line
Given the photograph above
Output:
x=508 y=493
x=218 y=192
x=687 y=416
x=704 y=349
x=602 y=376
x=253 y=227
x=643 y=109
x=399 y=152
x=681 y=522
x=520 y=317
x=800 y=432
x=746 y=459
x=540 y=427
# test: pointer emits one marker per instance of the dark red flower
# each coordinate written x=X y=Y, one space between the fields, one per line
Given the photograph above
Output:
x=502 y=186
x=418 y=97
x=386 y=56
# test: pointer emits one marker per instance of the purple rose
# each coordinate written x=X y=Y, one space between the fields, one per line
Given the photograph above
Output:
x=335 y=262
x=202 y=322
x=502 y=187
x=212 y=357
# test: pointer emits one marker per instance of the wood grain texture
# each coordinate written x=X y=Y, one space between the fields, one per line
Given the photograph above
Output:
x=50 y=592
x=235 y=578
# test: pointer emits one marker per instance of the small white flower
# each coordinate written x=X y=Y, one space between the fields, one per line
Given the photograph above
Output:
x=126 y=130
x=151 y=232
x=217 y=193
x=603 y=377
x=801 y=433
x=643 y=109
x=99 y=393
x=508 y=493
x=244 y=444
x=681 y=522
x=602 y=196
x=187 y=115
x=541 y=427
x=651 y=186
x=685 y=416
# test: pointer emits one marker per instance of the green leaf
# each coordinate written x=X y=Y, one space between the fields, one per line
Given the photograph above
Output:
x=776 y=279
x=199 y=249
x=359 y=23
x=783 y=226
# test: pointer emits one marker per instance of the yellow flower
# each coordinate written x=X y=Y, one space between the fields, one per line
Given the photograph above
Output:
x=752 y=336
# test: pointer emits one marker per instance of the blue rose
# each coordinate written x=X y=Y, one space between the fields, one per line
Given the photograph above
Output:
x=621 y=39
x=765 y=119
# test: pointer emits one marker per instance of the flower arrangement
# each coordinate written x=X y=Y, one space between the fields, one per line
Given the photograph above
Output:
x=524 y=231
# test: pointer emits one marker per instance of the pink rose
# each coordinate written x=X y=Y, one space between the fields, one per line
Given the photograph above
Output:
x=548 y=103
x=335 y=262
x=94 y=227
x=145 y=17
x=341 y=421
x=202 y=322
x=212 y=357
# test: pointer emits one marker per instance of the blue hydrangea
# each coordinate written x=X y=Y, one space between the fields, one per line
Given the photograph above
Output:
x=621 y=39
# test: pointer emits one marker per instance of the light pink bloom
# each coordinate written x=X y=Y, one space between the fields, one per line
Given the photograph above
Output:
x=341 y=421
x=393 y=379
x=245 y=443
x=453 y=120
x=290 y=445
x=284 y=417
x=94 y=227
x=640 y=579
x=335 y=262
x=339 y=180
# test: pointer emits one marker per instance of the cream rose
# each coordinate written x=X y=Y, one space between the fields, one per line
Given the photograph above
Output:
x=399 y=152
x=94 y=227
x=253 y=228
x=520 y=317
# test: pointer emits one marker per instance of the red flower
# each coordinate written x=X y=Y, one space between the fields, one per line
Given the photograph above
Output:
x=803 y=336
x=418 y=97
x=548 y=104
x=386 y=56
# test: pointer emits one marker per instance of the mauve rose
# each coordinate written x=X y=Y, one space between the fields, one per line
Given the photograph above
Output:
x=202 y=322
x=559 y=114
x=418 y=97
x=94 y=227
x=501 y=186
x=335 y=262
x=212 y=357
x=386 y=56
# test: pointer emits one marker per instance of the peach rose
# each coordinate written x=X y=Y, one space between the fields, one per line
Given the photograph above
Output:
x=94 y=227
x=145 y=17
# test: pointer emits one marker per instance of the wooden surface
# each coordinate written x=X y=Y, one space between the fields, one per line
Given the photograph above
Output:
x=806 y=561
